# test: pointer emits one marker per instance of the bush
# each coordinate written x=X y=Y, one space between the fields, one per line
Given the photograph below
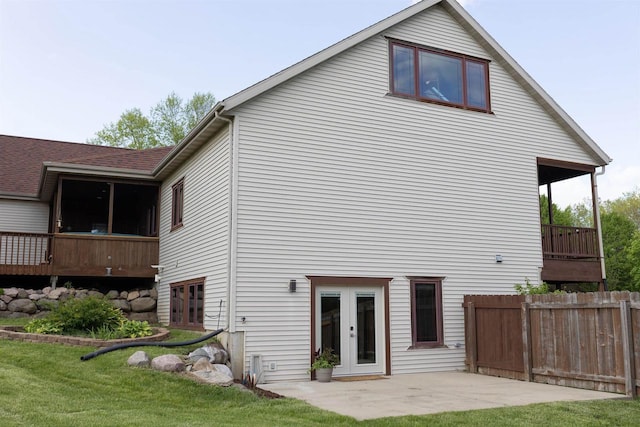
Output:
x=43 y=326
x=92 y=316
x=529 y=289
x=86 y=314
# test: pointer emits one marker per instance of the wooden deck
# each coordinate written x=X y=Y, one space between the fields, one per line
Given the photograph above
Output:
x=571 y=254
x=77 y=255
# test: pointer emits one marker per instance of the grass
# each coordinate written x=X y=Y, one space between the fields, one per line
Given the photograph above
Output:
x=47 y=384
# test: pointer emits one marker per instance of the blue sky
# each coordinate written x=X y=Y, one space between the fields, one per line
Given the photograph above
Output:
x=68 y=67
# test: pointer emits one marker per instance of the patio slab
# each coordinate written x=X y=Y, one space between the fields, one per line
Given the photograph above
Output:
x=419 y=394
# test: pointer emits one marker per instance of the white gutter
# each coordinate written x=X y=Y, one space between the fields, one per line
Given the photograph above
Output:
x=233 y=222
x=596 y=218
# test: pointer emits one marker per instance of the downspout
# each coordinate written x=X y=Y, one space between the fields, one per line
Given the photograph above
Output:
x=596 y=219
x=233 y=226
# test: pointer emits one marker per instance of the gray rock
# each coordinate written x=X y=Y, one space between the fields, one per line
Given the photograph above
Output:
x=197 y=354
x=3 y=306
x=217 y=353
x=151 y=317
x=223 y=369
x=153 y=293
x=168 y=363
x=144 y=292
x=124 y=294
x=46 y=303
x=133 y=295
x=213 y=377
x=95 y=294
x=121 y=304
x=6 y=298
x=15 y=314
x=112 y=294
x=11 y=292
x=57 y=292
x=36 y=297
x=22 y=305
x=139 y=359
x=23 y=294
x=46 y=290
x=202 y=364
x=143 y=304
x=81 y=294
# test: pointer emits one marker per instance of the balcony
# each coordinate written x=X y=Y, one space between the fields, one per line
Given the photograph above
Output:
x=85 y=255
x=570 y=254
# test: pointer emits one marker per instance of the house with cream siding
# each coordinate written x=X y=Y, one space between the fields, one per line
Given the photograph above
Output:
x=351 y=200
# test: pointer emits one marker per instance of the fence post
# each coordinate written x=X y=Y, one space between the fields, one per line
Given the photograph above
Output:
x=526 y=341
x=627 y=348
x=473 y=338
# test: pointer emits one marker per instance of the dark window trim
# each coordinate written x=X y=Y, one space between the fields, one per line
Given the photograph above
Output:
x=439 y=342
x=383 y=282
x=463 y=57
x=185 y=308
x=177 y=204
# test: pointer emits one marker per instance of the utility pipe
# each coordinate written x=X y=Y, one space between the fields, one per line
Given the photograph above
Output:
x=149 y=344
x=596 y=219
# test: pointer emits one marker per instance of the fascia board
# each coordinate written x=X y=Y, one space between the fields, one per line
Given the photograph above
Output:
x=517 y=72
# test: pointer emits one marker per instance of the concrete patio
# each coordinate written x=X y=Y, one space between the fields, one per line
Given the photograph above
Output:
x=419 y=394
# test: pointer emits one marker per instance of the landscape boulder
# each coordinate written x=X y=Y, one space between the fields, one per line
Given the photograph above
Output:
x=142 y=305
x=168 y=363
x=22 y=305
x=139 y=359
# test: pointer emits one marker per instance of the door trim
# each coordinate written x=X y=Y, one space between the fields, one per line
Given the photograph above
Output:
x=352 y=282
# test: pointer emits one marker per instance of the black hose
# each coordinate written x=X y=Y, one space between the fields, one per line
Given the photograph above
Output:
x=149 y=344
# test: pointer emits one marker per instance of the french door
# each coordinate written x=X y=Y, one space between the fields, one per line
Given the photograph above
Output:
x=350 y=320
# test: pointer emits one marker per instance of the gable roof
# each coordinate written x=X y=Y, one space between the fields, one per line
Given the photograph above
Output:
x=212 y=121
x=24 y=162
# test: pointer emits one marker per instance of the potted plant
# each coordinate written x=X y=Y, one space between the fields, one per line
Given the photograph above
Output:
x=323 y=364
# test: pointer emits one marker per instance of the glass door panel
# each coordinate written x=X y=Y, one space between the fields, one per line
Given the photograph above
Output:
x=366 y=327
x=330 y=321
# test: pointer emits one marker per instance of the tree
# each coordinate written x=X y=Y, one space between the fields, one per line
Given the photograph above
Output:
x=560 y=216
x=167 y=124
x=618 y=234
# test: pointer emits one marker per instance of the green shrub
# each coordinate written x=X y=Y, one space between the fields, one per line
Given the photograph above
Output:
x=86 y=314
x=43 y=326
x=529 y=289
x=134 y=329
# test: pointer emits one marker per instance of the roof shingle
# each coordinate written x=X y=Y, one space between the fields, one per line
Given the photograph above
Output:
x=21 y=160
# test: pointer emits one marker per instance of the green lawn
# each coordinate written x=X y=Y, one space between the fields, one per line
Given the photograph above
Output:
x=48 y=385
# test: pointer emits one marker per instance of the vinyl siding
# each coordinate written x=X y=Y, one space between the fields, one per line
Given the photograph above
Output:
x=201 y=247
x=24 y=216
x=338 y=178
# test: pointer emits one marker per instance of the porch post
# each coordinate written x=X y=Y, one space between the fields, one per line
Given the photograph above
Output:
x=596 y=224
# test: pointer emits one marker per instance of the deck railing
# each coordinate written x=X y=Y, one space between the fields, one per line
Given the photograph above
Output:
x=562 y=242
x=25 y=253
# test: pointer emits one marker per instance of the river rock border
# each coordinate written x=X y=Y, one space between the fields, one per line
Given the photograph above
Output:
x=139 y=304
x=17 y=333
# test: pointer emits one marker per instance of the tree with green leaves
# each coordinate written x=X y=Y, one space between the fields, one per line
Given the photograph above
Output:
x=167 y=123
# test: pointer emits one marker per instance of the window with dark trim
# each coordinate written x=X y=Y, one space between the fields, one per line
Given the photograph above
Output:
x=439 y=76
x=426 y=313
x=177 y=204
x=187 y=304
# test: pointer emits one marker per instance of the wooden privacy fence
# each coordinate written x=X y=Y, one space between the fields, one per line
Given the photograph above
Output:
x=583 y=340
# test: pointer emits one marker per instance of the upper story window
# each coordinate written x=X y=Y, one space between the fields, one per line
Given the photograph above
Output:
x=441 y=77
x=177 y=204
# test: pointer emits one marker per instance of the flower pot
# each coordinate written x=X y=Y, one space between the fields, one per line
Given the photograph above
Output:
x=323 y=375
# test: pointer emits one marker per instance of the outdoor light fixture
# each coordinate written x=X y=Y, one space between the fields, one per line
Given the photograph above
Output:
x=292 y=285
x=498 y=259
